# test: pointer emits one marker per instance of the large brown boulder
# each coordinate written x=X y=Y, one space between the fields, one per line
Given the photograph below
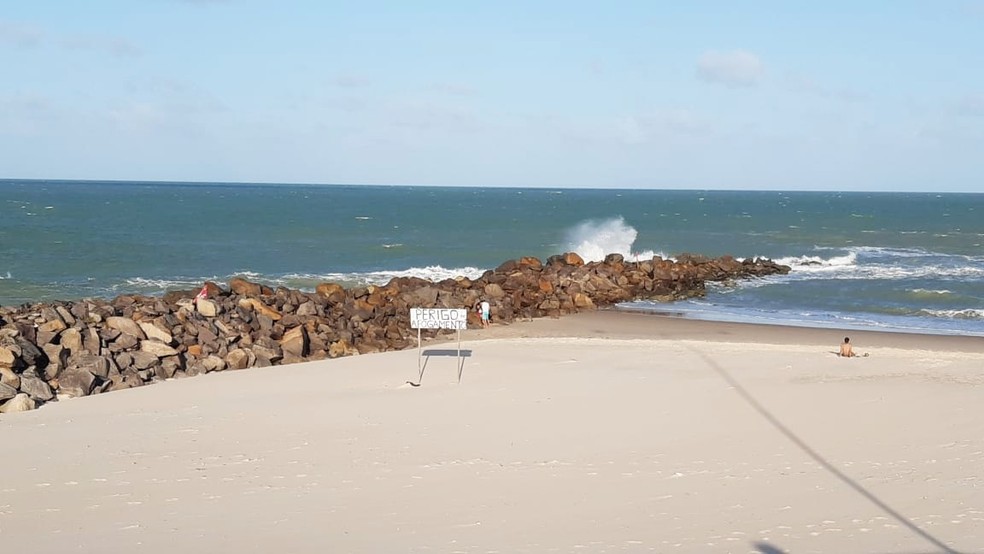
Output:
x=243 y=287
x=259 y=307
x=8 y=377
x=20 y=403
x=237 y=359
x=295 y=342
x=153 y=331
x=7 y=392
x=125 y=325
x=10 y=357
x=157 y=348
x=48 y=331
x=36 y=388
x=334 y=292
x=75 y=382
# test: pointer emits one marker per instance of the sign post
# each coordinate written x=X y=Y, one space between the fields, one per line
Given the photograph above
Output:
x=438 y=318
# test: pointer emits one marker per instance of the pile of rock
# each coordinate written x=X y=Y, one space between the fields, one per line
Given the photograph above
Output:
x=69 y=349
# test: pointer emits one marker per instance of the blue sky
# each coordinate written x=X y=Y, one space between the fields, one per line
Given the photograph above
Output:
x=710 y=95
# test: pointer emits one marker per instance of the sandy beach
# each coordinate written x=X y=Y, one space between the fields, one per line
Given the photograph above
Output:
x=598 y=432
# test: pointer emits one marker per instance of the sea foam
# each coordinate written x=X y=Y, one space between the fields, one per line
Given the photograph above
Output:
x=594 y=239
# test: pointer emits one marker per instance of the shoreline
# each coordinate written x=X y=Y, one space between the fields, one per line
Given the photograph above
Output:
x=598 y=431
x=633 y=324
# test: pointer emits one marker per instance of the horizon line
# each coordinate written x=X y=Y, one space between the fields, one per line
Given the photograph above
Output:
x=473 y=186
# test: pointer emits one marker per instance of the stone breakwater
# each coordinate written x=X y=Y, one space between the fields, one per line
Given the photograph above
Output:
x=61 y=350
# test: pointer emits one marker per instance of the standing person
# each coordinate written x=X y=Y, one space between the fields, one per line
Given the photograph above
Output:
x=486 y=313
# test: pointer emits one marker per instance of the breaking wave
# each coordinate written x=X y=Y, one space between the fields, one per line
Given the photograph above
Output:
x=595 y=239
x=968 y=313
x=302 y=281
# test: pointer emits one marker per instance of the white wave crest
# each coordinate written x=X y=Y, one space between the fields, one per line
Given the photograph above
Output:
x=146 y=284
x=305 y=281
x=816 y=263
x=7 y=277
x=595 y=239
x=301 y=281
x=968 y=313
x=927 y=292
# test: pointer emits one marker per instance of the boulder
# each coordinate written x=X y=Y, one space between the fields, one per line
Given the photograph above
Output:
x=57 y=358
x=48 y=331
x=8 y=377
x=266 y=356
x=20 y=403
x=10 y=357
x=341 y=348
x=143 y=360
x=169 y=367
x=207 y=308
x=306 y=309
x=124 y=342
x=91 y=342
x=154 y=332
x=295 y=342
x=494 y=291
x=71 y=340
x=125 y=325
x=65 y=315
x=237 y=359
x=156 y=348
x=213 y=363
x=572 y=258
x=96 y=365
x=583 y=301
x=259 y=307
x=243 y=287
x=335 y=293
x=75 y=382
x=30 y=353
x=36 y=388
x=7 y=392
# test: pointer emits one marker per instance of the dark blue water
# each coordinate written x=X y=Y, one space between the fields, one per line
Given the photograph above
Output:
x=886 y=260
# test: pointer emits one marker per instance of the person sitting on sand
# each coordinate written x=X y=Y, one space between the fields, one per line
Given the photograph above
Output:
x=846 y=351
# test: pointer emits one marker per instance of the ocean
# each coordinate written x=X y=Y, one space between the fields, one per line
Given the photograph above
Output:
x=888 y=261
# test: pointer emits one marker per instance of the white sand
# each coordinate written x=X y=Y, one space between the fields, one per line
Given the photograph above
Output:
x=556 y=440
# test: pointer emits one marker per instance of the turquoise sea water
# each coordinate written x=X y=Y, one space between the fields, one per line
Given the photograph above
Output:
x=899 y=261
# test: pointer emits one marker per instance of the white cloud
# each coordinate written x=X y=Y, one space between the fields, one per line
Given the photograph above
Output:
x=732 y=68
x=20 y=35
x=27 y=36
x=971 y=104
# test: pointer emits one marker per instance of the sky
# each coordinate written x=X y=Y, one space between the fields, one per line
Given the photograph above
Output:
x=758 y=95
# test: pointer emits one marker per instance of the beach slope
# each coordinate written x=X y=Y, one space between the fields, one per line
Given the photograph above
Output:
x=599 y=432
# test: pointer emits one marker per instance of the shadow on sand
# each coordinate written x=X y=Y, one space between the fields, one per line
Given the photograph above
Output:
x=765 y=548
x=459 y=355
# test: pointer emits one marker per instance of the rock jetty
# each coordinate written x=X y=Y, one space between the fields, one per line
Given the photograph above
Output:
x=60 y=350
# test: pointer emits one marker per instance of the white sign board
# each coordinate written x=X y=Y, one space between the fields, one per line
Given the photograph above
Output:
x=438 y=318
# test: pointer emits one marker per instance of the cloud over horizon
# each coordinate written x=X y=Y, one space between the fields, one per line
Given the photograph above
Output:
x=736 y=68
